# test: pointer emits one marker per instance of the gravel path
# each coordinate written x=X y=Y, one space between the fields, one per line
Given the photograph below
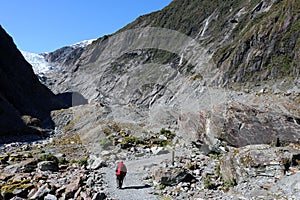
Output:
x=134 y=188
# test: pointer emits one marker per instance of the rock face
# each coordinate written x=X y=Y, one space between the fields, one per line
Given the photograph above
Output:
x=240 y=125
x=21 y=93
x=258 y=161
x=165 y=68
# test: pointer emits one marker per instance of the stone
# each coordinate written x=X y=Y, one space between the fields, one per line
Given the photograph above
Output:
x=25 y=166
x=159 y=150
x=162 y=137
x=50 y=197
x=174 y=177
x=244 y=125
x=20 y=189
x=105 y=153
x=48 y=166
x=98 y=163
x=257 y=161
x=99 y=196
x=42 y=191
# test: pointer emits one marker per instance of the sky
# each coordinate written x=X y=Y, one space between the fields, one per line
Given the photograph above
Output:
x=45 y=25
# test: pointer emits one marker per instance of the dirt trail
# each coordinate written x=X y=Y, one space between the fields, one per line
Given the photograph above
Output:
x=134 y=188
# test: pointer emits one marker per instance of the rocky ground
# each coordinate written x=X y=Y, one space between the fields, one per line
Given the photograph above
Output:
x=41 y=170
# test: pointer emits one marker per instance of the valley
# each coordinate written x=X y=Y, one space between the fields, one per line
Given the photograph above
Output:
x=216 y=82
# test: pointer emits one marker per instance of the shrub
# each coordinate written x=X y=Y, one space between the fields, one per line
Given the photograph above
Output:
x=208 y=183
x=133 y=140
x=169 y=134
x=48 y=157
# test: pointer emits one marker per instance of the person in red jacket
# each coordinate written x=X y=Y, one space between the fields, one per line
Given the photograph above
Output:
x=121 y=171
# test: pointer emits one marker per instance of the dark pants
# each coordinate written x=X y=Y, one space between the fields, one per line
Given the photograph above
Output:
x=120 y=179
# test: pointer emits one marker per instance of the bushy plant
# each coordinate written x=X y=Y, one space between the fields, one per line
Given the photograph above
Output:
x=48 y=157
x=208 y=184
x=169 y=134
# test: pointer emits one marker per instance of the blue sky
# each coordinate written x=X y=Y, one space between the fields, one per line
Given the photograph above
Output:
x=45 y=25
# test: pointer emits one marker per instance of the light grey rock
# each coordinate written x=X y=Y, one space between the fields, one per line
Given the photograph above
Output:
x=50 y=197
x=159 y=150
x=42 y=191
x=98 y=163
x=105 y=153
x=162 y=137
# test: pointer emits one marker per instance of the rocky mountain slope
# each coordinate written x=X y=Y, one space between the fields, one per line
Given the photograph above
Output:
x=21 y=93
x=166 y=68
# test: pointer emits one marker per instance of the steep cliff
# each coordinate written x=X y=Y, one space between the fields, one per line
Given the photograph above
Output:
x=21 y=93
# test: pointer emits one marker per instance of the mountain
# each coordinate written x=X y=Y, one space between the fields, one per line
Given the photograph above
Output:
x=192 y=67
x=45 y=62
x=22 y=96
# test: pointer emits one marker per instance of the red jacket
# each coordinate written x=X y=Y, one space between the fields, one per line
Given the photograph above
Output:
x=121 y=169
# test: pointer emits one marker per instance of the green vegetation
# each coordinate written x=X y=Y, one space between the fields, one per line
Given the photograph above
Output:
x=105 y=142
x=48 y=157
x=208 y=184
x=133 y=140
x=229 y=183
x=169 y=134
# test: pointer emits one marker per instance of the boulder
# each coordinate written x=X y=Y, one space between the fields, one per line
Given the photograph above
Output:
x=239 y=125
x=98 y=163
x=42 y=191
x=159 y=150
x=50 y=197
x=257 y=160
x=174 y=177
x=48 y=166
x=25 y=166
x=99 y=196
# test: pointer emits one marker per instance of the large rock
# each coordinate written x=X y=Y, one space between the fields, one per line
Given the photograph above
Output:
x=244 y=163
x=25 y=166
x=98 y=163
x=42 y=192
x=239 y=125
x=174 y=177
x=159 y=150
x=48 y=166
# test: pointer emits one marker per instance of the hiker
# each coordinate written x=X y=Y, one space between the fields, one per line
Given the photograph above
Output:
x=120 y=173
